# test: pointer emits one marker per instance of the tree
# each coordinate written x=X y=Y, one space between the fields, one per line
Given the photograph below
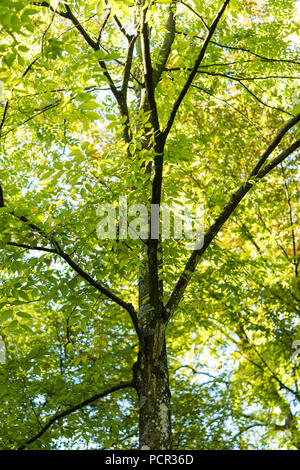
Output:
x=155 y=101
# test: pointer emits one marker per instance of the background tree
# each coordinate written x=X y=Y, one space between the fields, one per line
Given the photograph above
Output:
x=157 y=101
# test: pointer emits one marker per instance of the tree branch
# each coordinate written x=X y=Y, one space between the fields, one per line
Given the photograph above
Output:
x=165 y=50
x=70 y=16
x=99 y=287
x=155 y=283
x=122 y=29
x=255 y=54
x=195 y=68
x=59 y=251
x=243 y=49
x=250 y=426
x=148 y=72
x=29 y=247
x=282 y=132
x=256 y=174
x=127 y=67
x=4 y=115
x=102 y=28
x=240 y=80
x=243 y=335
x=43 y=110
x=196 y=13
x=47 y=5
x=74 y=408
x=262 y=102
x=95 y=46
x=244 y=116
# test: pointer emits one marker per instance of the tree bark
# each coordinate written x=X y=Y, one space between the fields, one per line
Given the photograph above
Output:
x=151 y=375
x=152 y=384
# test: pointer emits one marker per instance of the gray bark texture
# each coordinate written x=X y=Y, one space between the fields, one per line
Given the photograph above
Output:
x=151 y=375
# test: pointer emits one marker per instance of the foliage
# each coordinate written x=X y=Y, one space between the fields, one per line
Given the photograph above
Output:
x=73 y=137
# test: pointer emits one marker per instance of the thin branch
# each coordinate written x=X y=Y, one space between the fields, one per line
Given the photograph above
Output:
x=262 y=102
x=59 y=251
x=148 y=72
x=244 y=116
x=30 y=66
x=243 y=333
x=269 y=77
x=102 y=28
x=243 y=78
x=195 y=68
x=43 y=110
x=282 y=132
x=29 y=247
x=196 y=13
x=119 y=62
x=128 y=307
x=251 y=238
x=102 y=64
x=4 y=115
x=247 y=429
x=48 y=27
x=274 y=237
x=240 y=80
x=264 y=58
x=196 y=372
x=93 y=44
x=48 y=5
x=243 y=49
x=127 y=67
x=69 y=15
x=74 y=408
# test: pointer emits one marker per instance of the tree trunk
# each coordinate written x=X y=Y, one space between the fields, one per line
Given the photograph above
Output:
x=152 y=382
x=151 y=373
x=151 y=369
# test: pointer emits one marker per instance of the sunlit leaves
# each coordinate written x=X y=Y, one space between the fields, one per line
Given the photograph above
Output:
x=63 y=155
